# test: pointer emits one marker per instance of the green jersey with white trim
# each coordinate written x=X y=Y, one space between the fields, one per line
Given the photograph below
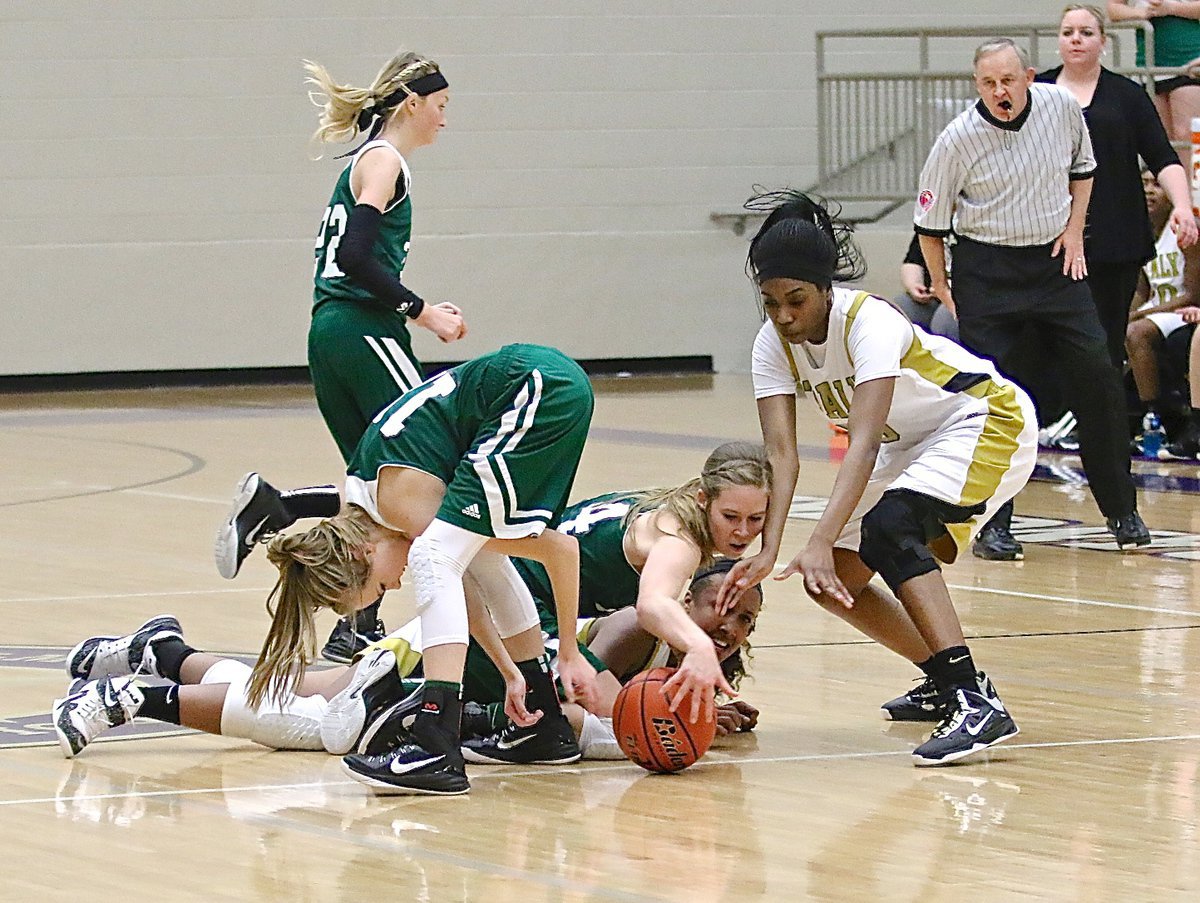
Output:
x=391 y=247
x=607 y=581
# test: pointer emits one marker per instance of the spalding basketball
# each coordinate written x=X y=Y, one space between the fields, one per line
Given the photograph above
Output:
x=653 y=736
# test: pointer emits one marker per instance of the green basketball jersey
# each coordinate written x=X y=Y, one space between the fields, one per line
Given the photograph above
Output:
x=607 y=581
x=391 y=247
x=1176 y=41
x=504 y=432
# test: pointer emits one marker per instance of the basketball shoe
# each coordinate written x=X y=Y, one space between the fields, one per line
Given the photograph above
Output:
x=410 y=769
x=91 y=709
x=352 y=635
x=549 y=741
x=257 y=514
x=973 y=723
x=374 y=686
x=925 y=703
x=996 y=543
x=392 y=726
x=117 y=656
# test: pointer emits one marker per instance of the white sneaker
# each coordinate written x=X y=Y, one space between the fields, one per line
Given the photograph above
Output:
x=375 y=686
x=117 y=656
x=91 y=709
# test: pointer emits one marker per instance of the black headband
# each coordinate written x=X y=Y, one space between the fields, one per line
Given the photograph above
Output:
x=422 y=87
x=788 y=267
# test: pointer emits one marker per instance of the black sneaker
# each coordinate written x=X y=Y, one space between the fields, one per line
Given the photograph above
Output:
x=351 y=637
x=410 y=769
x=548 y=742
x=974 y=723
x=1129 y=531
x=391 y=728
x=476 y=721
x=996 y=543
x=374 y=686
x=922 y=703
x=257 y=514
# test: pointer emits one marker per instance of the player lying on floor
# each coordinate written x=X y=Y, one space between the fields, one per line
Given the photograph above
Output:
x=375 y=712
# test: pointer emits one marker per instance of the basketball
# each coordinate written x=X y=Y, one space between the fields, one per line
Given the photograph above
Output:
x=653 y=736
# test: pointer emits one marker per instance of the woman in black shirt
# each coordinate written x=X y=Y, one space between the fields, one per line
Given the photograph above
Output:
x=1124 y=125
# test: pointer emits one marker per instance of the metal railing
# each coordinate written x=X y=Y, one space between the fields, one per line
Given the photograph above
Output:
x=875 y=125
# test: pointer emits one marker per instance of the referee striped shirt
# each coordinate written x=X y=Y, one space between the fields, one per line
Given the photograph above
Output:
x=1006 y=183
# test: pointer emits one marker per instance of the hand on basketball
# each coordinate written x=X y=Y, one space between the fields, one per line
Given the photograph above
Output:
x=444 y=320
x=815 y=563
x=578 y=678
x=514 y=702
x=699 y=677
x=742 y=576
x=737 y=716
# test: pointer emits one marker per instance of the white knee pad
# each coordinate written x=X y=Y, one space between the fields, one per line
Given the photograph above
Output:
x=504 y=593
x=227 y=671
x=436 y=561
x=295 y=724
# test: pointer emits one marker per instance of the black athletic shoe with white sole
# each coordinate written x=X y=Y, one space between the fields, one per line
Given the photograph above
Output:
x=925 y=703
x=116 y=656
x=257 y=514
x=550 y=741
x=975 y=722
x=351 y=636
x=374 y=686
x=410 y=769
x=392 y=727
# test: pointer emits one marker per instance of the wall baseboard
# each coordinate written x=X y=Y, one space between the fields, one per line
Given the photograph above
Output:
x=146 y=379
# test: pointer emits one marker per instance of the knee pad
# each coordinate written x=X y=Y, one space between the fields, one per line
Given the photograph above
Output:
x=293 y=723
x=893 y=540
x=437 y=560
x=227 y=671
x=504 y=593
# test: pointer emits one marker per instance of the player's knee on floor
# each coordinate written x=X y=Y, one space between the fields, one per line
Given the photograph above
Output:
x=893 y=539
x=293 y=722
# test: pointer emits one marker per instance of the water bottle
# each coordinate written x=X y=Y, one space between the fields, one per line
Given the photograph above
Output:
x=1152 y=435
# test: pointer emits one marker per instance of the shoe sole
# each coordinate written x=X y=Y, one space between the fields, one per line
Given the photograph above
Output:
x=225 y=548
x=476 y=758
x=383 y=788
x=993 y=556
x=64 y=743
x=923 y=717
x=170 y=626
x=922 y=762
x=346 y=715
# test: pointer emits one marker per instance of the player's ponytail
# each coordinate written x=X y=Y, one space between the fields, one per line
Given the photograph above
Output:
x=318 y=568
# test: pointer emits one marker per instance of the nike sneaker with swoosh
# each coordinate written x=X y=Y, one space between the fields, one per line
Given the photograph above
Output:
x=117 y=656
x=550 y=741
x=975 y=722
x=352 y=635
x=410 y=769
x=925 y=702
x=93 y=708
x=258 y=513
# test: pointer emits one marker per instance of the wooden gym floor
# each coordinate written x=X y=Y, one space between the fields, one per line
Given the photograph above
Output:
x=110 y=501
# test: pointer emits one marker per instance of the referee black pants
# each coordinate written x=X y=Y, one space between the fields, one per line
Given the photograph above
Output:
x=999 y=291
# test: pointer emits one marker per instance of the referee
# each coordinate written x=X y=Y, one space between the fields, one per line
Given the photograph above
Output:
x=1012 y=177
